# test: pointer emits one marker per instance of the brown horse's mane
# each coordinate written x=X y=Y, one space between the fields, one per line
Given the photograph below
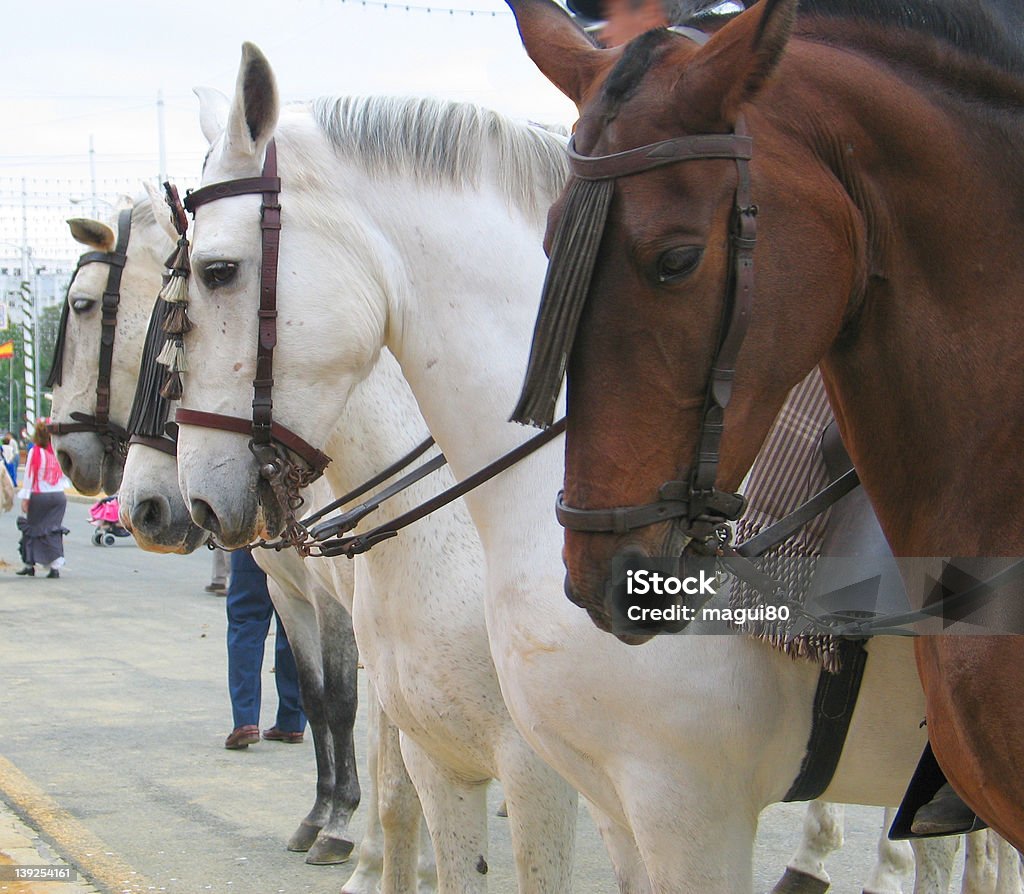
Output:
x=991 y=31
x=974 y=46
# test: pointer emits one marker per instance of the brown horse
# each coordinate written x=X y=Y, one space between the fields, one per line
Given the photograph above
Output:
x=885 y=175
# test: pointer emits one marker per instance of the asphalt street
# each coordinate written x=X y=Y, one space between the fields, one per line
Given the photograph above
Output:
x=114 y=708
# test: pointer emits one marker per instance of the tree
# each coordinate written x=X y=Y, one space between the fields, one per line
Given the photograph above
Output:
x=12 y=371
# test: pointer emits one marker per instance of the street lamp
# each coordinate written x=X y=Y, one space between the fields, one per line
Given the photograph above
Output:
x=93 y=201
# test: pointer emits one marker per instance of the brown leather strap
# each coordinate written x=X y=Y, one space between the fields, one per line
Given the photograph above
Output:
x=360 y=543
x=114 y=436
x=228 y=188
x=108 y=322
x=164 y=445
x=270 y=227
x=261 y=427
x=699 y=501
x=735 y=320
x=654 y=155
x=314 y=458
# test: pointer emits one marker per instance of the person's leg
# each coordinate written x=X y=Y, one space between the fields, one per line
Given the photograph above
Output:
x=219 y=575
x=249 y=611
x=291 y=721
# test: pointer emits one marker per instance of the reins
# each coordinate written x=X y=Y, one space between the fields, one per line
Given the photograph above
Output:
x=113 y=436
x=360 y=543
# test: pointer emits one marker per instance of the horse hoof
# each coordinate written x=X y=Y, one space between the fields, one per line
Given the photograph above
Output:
x=328 y=850
x=303 y=837
x=794 y=881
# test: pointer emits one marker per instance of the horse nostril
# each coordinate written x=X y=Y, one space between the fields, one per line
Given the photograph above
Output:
x=66 y=465
x=150 y=515
x=204 y=516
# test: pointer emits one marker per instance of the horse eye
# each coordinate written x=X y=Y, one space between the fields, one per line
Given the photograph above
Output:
x=677 y=263
x=79 y=305
x=218 y=274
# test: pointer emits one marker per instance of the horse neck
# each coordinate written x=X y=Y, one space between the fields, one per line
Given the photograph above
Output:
x=924 y=380
x=380 y=422
x=460 y=326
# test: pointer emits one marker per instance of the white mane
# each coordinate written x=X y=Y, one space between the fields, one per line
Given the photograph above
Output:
x=446 y=142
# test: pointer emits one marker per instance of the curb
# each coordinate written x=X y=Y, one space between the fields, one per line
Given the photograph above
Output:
x=99 y=868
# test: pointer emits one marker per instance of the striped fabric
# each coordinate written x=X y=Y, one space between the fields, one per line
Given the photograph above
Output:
x=788 y=471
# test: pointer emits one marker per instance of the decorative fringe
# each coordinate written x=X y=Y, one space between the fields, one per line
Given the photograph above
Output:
x=174 y=293
x=177 y=321
x=173 y=356
x=150 y=411
x=176 y=290
x=570 y=269
x=172 y=387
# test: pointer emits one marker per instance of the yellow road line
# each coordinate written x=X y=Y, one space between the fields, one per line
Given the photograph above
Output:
x=76 y=844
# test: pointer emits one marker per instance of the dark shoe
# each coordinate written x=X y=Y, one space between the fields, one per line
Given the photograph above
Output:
x=219 y=589
x=27 y=571
x=945 y=814
x=242 y=737
x=277 y=735
x=53 y=573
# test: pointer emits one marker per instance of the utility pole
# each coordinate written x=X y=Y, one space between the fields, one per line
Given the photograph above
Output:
x=29 y=309
x=161 y=134
x=92 y=174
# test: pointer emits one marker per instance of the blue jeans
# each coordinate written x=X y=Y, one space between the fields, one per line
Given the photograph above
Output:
x=249 y=611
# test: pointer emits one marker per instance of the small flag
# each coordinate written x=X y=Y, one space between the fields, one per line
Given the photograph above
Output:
x=7 y=350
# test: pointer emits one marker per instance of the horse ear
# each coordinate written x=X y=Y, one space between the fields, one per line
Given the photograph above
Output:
x=563 y=52
x=213 y=112
x=735 y=64
x=160 y=210
x=92 y=233
x=255 y=108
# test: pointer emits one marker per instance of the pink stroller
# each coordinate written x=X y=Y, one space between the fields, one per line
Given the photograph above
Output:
x=104 y=515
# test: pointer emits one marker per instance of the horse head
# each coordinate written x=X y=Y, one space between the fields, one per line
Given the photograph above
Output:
x=151 y=504
x=666 y=277
x=101 y=332
x=314 y=365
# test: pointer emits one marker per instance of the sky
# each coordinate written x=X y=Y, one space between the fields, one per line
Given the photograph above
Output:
x=78 y=73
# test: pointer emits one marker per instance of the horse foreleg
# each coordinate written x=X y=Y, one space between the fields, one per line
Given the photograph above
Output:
x=894 y=863
x=301 y=626
x=365 y=879
x=456 y=814
x=400 y=816
x=630 y=872
x=695 y=832
x=934 y=863
x=542 y=820
x=340 y=658
x=1011 y=871
x=821 y=835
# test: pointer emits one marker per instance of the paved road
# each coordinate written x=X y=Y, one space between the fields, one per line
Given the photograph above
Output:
x=113 y=711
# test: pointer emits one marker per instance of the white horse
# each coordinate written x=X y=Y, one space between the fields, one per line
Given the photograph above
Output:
x=304 y=594
x=418 y=228
x=418 y=616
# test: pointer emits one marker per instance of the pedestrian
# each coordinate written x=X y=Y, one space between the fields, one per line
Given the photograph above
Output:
x=249 y=611
x=43 y=504
x=11 y=455
x=219 y=576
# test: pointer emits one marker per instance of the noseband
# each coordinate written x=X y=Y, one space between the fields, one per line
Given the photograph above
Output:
x=113 y=436
x=697 y=500
x=269 y=441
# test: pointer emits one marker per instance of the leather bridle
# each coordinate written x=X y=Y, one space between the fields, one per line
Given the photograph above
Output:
x=270 y=442
x=113 y=436
x=696 y=500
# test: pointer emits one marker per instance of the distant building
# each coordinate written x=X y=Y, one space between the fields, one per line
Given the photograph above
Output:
x=50 y=284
